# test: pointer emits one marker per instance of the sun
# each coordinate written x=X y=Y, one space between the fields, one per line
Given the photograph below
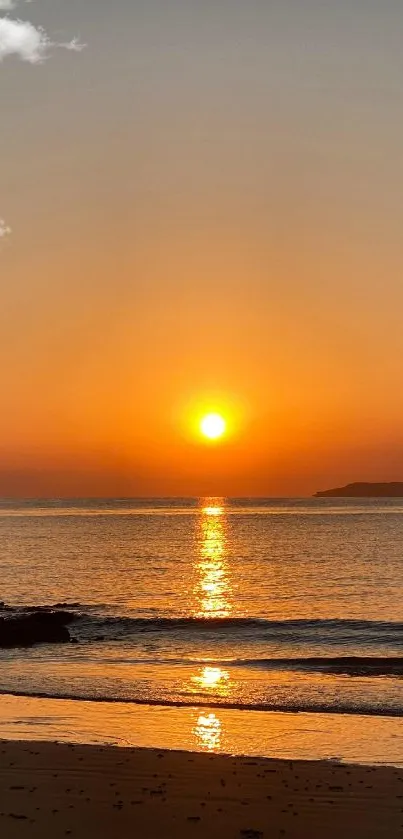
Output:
x=213 y=426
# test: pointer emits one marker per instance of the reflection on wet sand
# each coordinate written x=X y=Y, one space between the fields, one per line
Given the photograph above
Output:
x=208 y=732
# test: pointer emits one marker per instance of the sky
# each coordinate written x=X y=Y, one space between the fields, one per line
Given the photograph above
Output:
x=201 y=208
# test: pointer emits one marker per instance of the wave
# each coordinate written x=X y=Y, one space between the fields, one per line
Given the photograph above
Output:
x=337 y=665
x=306 y=632
x=342 y=665
x=54 y=607
x=91 y=623
x=373 y=710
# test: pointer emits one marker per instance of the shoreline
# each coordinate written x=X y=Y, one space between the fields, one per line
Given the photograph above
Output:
x=97 y=791
x=360 y=740
x=346 y=711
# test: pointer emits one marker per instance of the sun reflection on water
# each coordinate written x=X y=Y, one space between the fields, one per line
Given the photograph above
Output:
x=208 y=731
x=212 y=677
x=213 y=587
x=212 y=598
x=212 y=511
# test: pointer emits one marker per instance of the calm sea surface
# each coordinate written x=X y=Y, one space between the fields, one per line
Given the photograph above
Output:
x=258 y=604
x=278 y=604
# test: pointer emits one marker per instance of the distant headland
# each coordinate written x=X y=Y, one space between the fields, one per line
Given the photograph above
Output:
x=364 y=490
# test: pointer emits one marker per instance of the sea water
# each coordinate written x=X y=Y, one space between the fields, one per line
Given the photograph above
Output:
x=252 y=605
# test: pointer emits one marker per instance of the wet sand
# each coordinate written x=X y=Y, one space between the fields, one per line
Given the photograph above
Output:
x=58 y=790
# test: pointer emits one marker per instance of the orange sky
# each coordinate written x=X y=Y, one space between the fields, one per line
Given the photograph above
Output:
x=206 y=210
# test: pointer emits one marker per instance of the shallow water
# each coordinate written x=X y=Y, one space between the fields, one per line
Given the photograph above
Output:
x=259 y=604
x=357 y=739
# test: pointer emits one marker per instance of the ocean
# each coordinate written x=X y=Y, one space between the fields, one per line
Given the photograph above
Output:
x=254 y=605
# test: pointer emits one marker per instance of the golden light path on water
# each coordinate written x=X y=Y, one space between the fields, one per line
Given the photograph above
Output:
x=213 y=589
x=213 y=594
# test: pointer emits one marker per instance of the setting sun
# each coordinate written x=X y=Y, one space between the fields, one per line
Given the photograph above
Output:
x=213 y=426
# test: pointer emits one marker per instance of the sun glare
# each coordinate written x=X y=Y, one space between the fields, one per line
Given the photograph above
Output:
x=213 y=426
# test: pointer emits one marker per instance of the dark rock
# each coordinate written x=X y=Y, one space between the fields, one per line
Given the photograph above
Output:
x=250 y=833
x=25 y=630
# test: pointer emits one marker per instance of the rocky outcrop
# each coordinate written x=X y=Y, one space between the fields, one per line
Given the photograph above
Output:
x=37 y=627
x=364 y=490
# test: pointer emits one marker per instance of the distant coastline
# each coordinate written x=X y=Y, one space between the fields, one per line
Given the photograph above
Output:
x=393 y=489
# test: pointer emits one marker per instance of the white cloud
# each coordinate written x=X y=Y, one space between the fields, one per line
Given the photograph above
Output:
x=23 y=39
x=28 y=42
x=5 y=230
x=74 y=45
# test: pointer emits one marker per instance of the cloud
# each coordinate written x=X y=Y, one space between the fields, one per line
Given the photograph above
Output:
x=23 y=39
x=74 y=45
x=8 y=5
x=5 y=230
x=26 y=41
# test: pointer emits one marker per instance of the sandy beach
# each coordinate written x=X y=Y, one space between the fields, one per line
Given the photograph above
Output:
x=58 y=790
